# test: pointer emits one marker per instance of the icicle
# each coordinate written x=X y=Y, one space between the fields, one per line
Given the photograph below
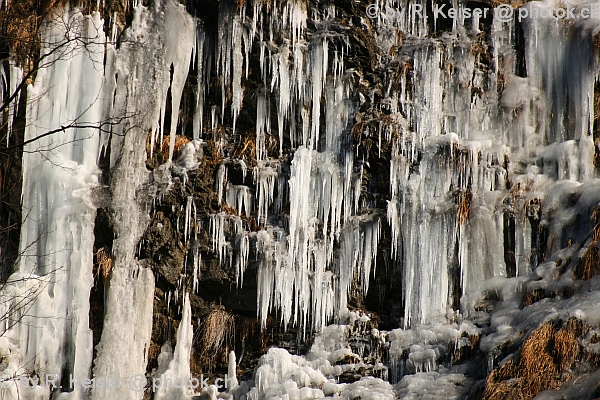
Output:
x=188 y=212
x=263 y=125
x=264 y=178
x=239 y=197
x=180 y=44
x=220 y=180
x=236 y=89
x=319 y=71
x=178 y=367
x=196 y=274
x=244 y=169
x=213 y=116
x=231 y=372
x=243 y=251
x=15 y=75
x=199 y=111
x=218 y=224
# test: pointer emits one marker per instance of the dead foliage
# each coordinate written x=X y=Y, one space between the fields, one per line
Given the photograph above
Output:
x=532 y=296
x=402 y=72
x=104 y=263
x=566 y=343
x=480 y=50
x=501 y=82
x=588 y=266
x=543 y=363
x=358 y=128
x=180 y=141
x=214 y=340
x=249 y=328
x=212 y=154
x=149 y=137
x=464 y=206
x=245 y=149
x=597 y=92
x=21 y=21
x=228 y=209
x=217 y=333
x=596 y=219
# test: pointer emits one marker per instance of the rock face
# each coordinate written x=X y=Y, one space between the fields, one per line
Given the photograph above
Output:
x=239 y=175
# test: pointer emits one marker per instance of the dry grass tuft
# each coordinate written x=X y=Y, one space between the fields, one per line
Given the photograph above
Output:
x=212 y=154
x=596 y=219
x=532 y=296
x=246 y=149
x=544 y=363
x=479 y=50
x=589 y=265
x=104 y=263
x=566 y=343
x=464 y=206
x=501 y=82
x=180 y=141
x=357 y=130
x=498 y=385
x=217 y=331
x=537 y=370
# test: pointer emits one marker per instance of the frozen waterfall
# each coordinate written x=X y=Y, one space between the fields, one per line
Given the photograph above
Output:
x=384 y=141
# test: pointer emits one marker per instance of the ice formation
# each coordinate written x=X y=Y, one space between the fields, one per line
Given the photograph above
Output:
x=486 y=155
x=172 y=367
x=281 y=375
x=54 y=276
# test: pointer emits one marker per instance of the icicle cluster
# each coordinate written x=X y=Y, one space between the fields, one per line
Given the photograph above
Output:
x=457 y=144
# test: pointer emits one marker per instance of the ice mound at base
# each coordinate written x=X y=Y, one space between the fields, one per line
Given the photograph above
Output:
x=281 y=375
x=348 y=362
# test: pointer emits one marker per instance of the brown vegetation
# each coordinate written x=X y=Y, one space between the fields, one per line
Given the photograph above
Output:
x=588 y=266
x=543 y=363
x=217 y=332
x=464 y=206
x=532 y=296
x=20 y=22
x=180 y=141
x=104 y=264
